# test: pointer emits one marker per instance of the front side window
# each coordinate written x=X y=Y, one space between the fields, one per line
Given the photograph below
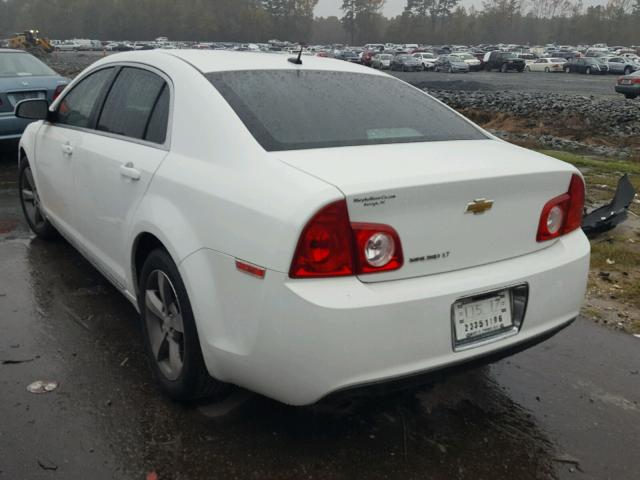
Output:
x=77 y=107
x=131 y=101
x=291 y=110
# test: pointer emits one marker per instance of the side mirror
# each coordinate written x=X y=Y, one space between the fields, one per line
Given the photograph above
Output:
x=34 y=109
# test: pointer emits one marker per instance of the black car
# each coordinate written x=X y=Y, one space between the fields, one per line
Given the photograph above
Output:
x=588 y=65
x=504 y=61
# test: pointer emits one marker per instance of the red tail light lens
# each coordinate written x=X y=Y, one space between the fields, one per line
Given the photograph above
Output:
x=562 y=214
x=330 y=246
x=576 y=206
x=59 y=89
x=325 y=248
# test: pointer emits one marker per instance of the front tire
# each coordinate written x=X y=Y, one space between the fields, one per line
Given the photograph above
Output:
x=588 y=71
x=546 y=70
x=30 y=202
x=170 y=333
x=504 y=68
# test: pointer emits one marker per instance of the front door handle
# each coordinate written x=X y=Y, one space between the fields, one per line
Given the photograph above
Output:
x=67 y=148
x=128 y=171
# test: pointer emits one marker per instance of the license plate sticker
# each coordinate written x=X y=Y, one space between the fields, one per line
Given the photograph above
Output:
x=482 y=318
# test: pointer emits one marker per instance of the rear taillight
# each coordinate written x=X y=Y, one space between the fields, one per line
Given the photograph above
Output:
x=331 y=246
x=325 y=248
x=378 y=248
x=59 y=89
x=562 y=214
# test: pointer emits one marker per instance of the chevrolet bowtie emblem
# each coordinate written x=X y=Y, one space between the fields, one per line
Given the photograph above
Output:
x=479 y=206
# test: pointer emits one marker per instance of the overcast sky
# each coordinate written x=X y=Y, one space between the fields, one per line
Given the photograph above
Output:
x=393 y=7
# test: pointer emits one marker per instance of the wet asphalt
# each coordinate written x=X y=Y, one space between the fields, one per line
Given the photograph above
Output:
x=568 y=408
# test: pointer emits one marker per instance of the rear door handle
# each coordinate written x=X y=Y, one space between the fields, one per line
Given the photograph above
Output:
x=128 y=171
x=67 y=149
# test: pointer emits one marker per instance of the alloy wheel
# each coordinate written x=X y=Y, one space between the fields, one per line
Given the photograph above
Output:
x=164 y=324
x=31 y=200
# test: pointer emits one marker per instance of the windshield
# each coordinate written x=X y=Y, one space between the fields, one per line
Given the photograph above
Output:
x=386 y=57
x=290 y=110
x=22 y=65
x=466 y=56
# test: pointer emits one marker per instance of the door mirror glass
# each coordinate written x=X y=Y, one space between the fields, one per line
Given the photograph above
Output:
x=34 y=109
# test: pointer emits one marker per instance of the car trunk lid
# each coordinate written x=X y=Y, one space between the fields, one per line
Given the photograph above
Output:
x=428 y=192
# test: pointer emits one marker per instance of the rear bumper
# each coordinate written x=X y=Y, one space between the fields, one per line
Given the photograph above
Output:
x=298 y=341
x=632 y=89
x=12 y=127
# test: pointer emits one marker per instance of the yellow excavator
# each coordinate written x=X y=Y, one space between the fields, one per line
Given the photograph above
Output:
x=31 y=41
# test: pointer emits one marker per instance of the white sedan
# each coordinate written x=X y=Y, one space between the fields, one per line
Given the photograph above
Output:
x=547 y=65
x=280 y=231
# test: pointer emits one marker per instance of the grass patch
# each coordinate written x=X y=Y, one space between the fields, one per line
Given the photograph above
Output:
x=625 y=259
x=597 y=165
x=592 y=313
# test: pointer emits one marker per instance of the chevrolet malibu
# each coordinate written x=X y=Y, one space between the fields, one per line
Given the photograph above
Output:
x=278 y=230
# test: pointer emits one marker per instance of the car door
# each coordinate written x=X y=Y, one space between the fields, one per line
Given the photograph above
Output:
x=616 y=65
x=538 y=65
x=59 y=147
x=129 y=144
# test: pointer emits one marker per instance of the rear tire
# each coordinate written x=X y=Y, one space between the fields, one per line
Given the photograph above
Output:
x=30 y=202
x=527 y=68
x=627 y=71
x=567 y=70
x=546 y=70
x=170 y=332
x=504 y=68
x=588 y=71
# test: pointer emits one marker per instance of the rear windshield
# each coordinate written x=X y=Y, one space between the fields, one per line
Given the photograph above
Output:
x=22 y=65
x=292 y=110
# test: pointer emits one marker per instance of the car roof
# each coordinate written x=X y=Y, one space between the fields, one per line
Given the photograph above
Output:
x=210 y=61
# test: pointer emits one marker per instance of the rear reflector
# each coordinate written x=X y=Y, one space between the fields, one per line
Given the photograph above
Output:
x=250 y=269
x=562 y=214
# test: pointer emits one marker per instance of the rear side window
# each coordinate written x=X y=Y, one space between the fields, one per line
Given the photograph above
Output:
x=77 y=107
x=130 y=104
x=157 y=128
x=290 y=110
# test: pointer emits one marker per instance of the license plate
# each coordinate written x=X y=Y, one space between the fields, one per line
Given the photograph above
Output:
x=476 y=319
x=626 y=82
x=14 y=98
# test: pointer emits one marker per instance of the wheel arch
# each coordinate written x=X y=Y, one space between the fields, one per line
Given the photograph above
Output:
x=144 y=242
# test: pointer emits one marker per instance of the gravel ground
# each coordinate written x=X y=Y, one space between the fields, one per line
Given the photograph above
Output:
x=590 y=124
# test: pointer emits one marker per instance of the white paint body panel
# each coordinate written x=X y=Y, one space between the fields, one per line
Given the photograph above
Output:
x=212 y=195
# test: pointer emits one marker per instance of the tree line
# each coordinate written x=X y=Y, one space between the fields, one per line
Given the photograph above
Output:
x=362 y=21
